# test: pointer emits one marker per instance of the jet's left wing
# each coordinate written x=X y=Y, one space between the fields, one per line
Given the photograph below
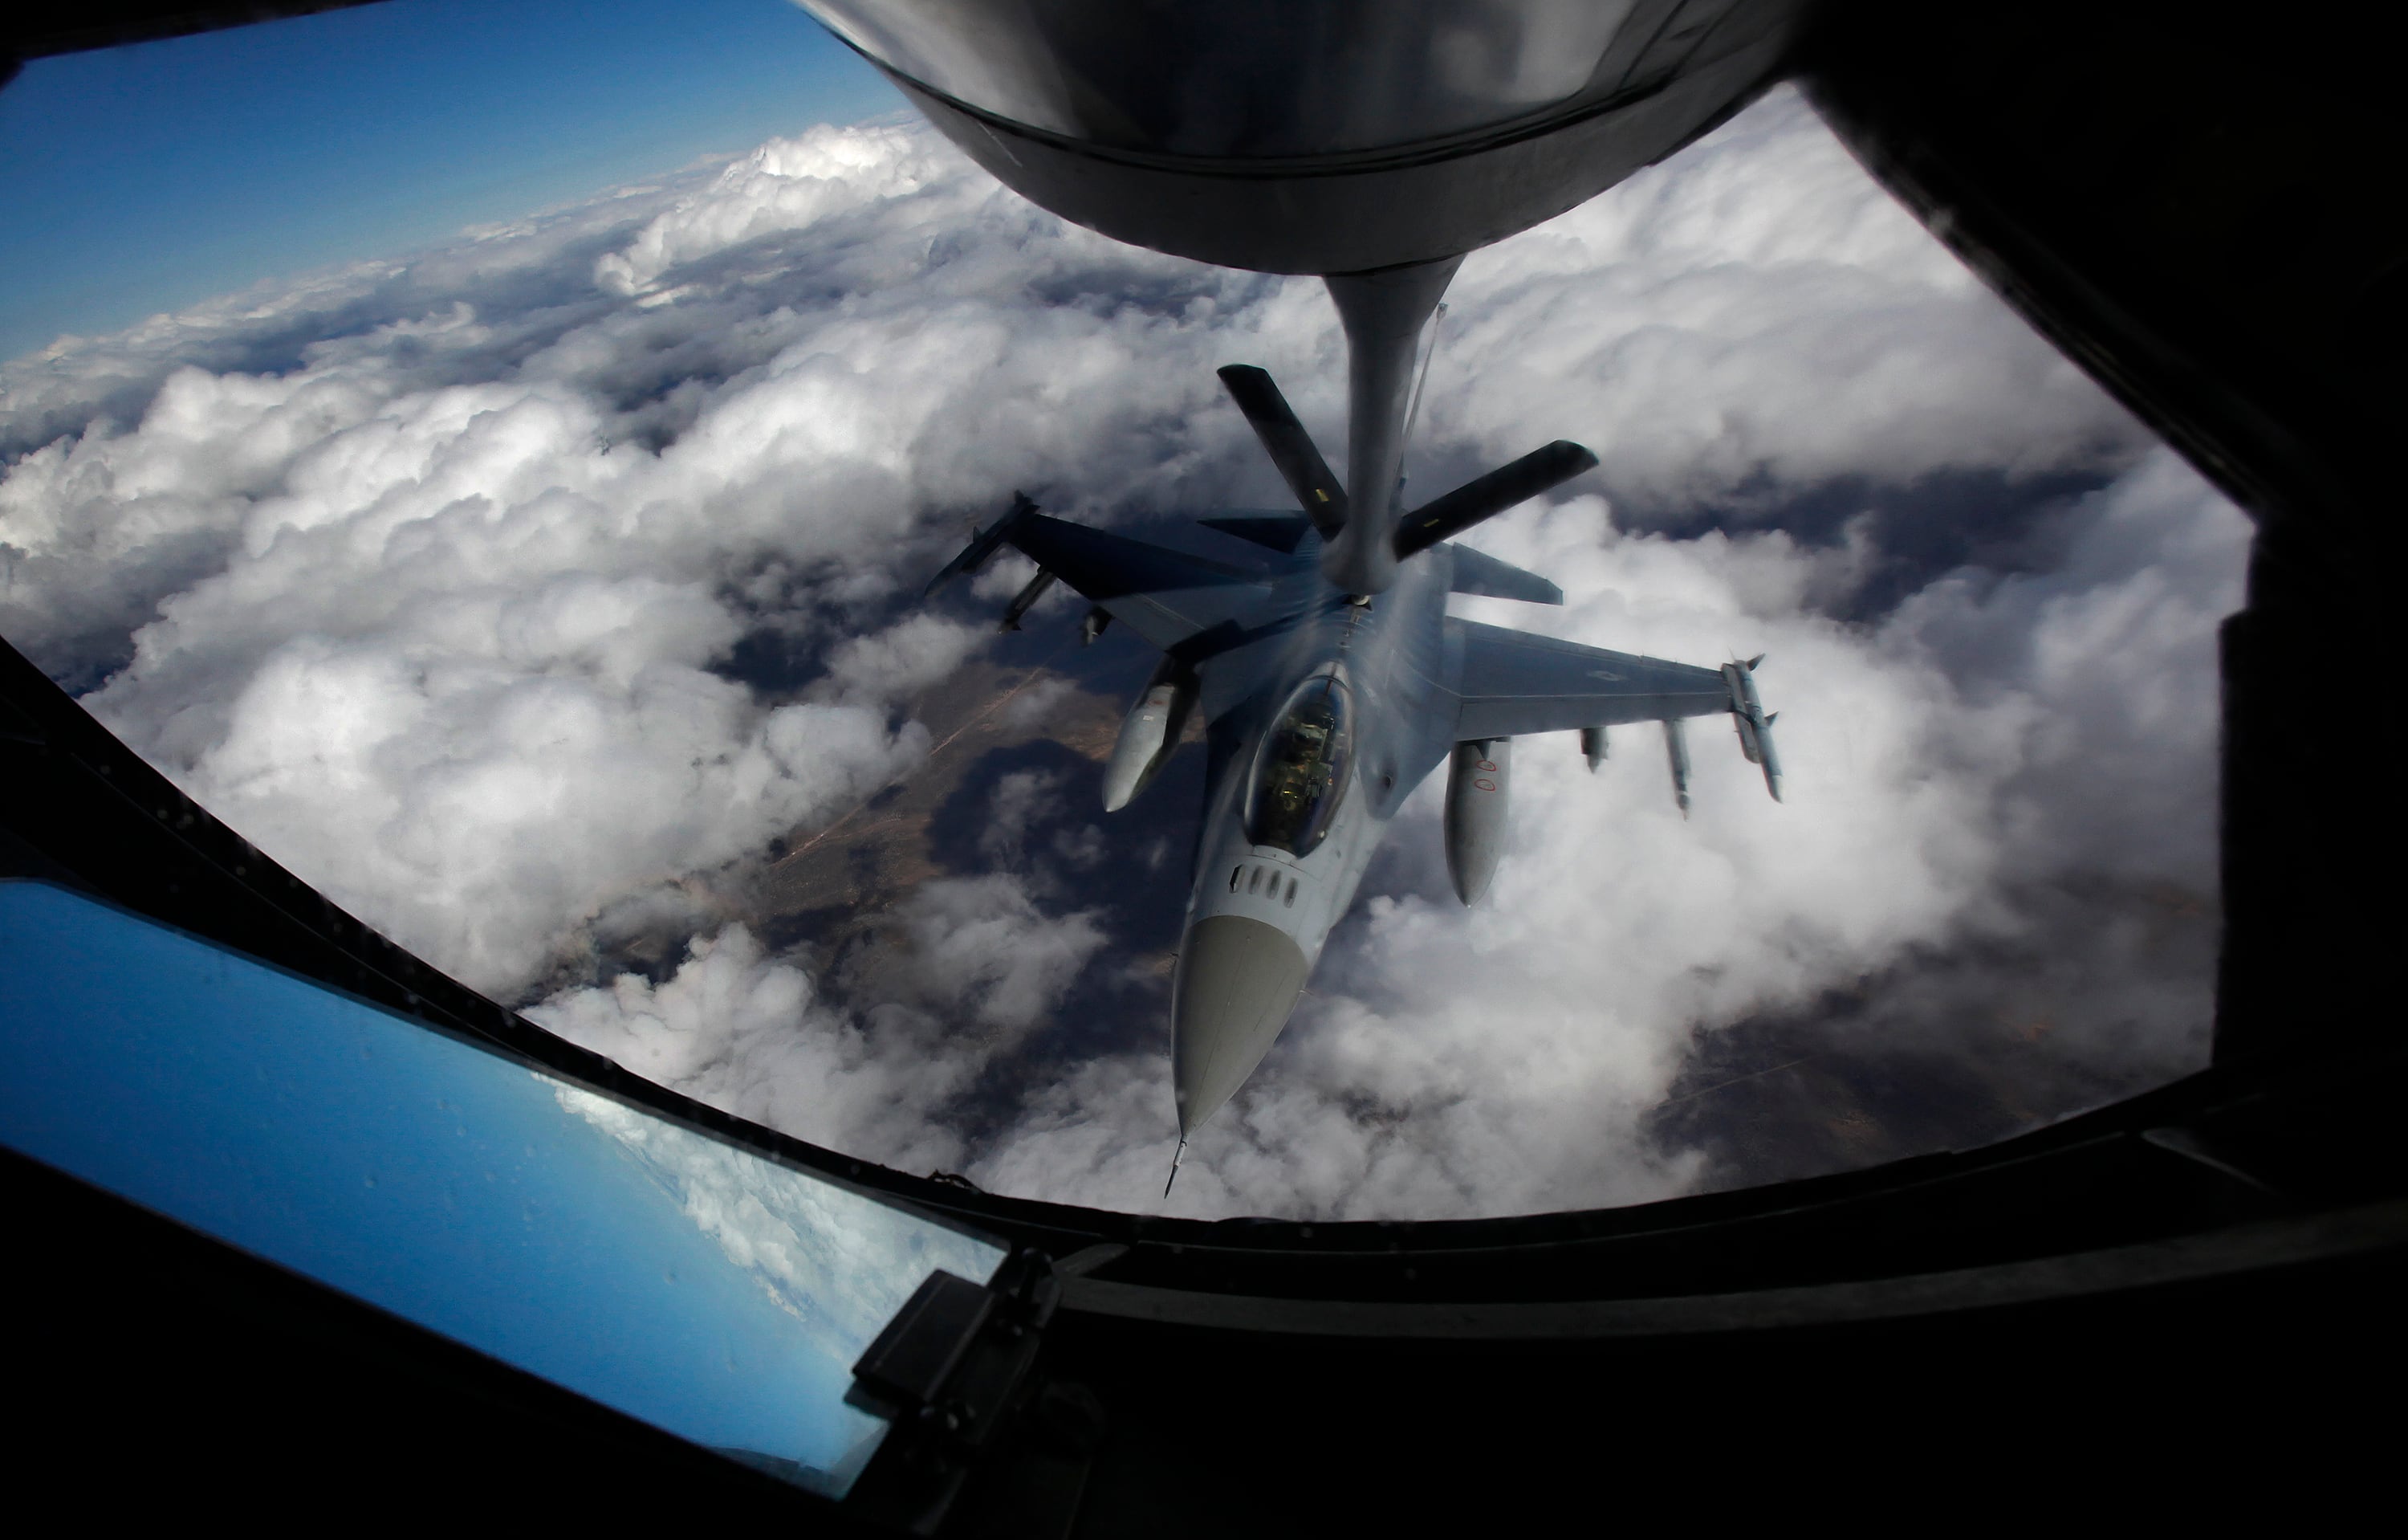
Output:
x=1512 y=682
x=1164 y=595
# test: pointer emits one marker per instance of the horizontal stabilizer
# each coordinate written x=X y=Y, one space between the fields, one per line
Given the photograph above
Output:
x=983 y=544
x=1291 y=449
x=1754 y=726
x=1477 y=572
x=1484 y=497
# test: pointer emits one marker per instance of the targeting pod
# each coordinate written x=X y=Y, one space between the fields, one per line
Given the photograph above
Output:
x=1149 y=734
x=1476 y=785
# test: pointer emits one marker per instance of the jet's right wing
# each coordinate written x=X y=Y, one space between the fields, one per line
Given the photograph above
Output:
x=1512 y=682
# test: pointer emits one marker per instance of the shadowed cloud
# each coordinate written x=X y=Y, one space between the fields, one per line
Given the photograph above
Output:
x=551 y=600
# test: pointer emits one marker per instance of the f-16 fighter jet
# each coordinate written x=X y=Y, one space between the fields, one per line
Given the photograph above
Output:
x=1326 y=703
x=1371 y=143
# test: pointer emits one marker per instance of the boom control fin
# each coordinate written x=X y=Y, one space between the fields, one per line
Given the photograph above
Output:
x=1486 y=496
x=1291 y=449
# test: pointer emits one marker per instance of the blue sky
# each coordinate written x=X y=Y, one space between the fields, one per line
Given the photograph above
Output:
x=452 y=1185
x=144 y=178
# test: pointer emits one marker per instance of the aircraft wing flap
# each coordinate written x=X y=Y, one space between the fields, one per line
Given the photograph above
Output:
x=1513 y=683
x=1164 y=595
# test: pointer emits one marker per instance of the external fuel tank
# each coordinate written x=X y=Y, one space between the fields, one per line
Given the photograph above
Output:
x=1149 y=734
x=1477 y=781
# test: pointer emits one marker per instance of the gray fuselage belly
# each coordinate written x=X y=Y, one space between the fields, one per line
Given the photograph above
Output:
x=1389 y=651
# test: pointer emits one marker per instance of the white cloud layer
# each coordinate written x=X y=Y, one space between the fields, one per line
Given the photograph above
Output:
x=431 y=578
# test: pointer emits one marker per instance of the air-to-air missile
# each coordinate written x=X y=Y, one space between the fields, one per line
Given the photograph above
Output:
x=1754 y=726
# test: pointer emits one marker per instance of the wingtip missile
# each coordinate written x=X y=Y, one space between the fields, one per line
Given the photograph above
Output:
x=1772 y=761
x=1754 y=726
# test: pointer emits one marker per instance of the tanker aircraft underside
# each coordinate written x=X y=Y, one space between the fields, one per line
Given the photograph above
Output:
x=1332 y=681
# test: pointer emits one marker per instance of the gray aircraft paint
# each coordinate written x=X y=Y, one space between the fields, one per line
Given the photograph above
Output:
x=1418 y=682
x=1373 y=143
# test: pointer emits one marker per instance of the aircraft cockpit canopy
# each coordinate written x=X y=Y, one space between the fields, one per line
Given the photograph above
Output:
x=1300 y=778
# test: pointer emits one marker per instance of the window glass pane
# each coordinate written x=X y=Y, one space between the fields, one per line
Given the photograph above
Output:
x=699 y=1287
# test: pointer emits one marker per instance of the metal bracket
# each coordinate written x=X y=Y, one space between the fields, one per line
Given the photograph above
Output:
x=946 y=1371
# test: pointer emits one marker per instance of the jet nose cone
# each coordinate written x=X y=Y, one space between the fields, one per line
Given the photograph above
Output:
x=1238 y=981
